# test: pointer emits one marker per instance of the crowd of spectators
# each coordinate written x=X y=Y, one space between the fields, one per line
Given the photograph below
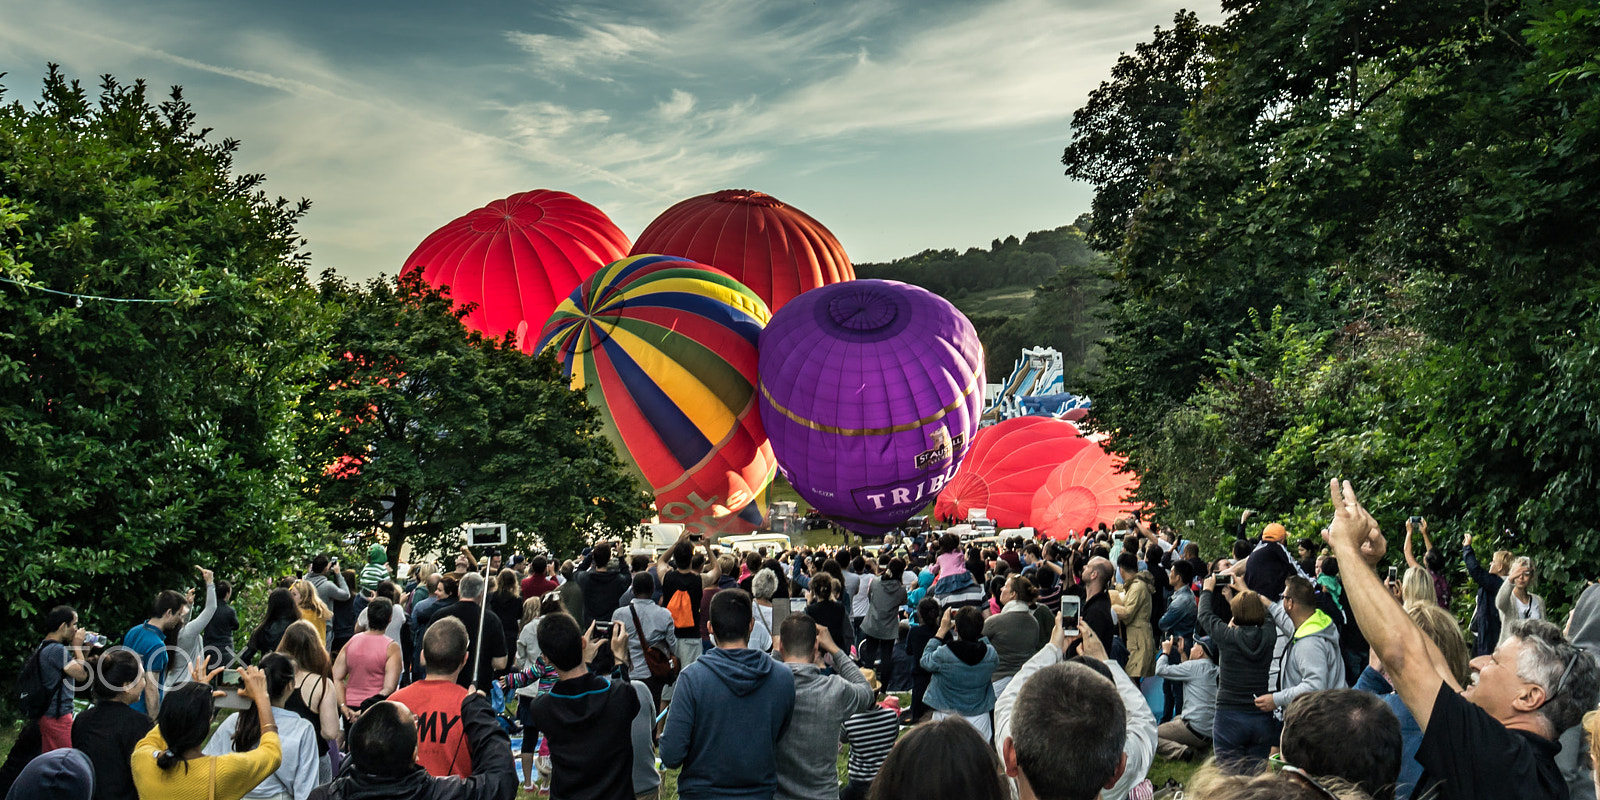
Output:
x=1034 y=669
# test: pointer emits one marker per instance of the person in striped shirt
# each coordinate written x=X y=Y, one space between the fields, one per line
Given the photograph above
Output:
x=871 y=735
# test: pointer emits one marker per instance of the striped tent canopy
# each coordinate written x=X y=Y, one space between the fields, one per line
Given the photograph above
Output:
x=666 y=349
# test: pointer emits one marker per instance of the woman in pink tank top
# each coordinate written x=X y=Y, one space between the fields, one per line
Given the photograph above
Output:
x=369 y=664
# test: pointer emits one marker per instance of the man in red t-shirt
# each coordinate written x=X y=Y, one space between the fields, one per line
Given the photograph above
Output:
x=436 y=701
x=538 y=584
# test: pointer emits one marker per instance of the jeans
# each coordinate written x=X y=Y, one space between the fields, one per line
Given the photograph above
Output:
x=855 y=790
x=1243 y=739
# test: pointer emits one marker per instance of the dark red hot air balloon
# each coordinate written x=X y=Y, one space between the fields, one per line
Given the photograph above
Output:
x=1006 y=466
x=775 y=249
x=518 y=258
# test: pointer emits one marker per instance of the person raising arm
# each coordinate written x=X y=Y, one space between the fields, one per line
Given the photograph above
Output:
x=1498 y=737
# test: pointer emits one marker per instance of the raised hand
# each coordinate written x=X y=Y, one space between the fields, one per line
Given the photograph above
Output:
x=1352 y=526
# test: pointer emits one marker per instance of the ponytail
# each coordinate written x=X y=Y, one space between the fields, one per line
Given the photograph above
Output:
x=279 y=670
x=185 y=722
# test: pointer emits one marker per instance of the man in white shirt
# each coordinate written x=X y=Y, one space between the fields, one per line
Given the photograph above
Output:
x=1046 y=709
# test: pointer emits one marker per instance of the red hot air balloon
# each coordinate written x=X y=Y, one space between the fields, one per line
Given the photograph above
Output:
x=518 y=258
x=775 y=249
x=1006 y=466
x=1086 y=489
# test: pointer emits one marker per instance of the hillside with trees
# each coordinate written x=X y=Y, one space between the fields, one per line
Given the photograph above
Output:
x=1043 y=290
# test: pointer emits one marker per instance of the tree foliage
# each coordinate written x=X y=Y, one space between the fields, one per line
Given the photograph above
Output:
x=1134 y=120
x=140 y=438
x=417 y=425
x=1374 y=257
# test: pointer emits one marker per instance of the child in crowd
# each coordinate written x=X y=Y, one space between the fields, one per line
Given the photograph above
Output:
x=953 y=584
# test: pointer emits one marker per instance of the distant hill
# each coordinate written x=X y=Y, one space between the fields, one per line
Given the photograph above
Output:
x=1040 y=291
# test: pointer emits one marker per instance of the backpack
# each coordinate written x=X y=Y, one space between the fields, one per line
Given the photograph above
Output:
x=682 y=608
x=34 y=694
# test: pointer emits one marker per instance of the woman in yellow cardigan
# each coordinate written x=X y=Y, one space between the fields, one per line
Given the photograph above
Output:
x=168 y=763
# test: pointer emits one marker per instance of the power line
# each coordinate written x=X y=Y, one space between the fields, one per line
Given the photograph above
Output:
x=83 y=297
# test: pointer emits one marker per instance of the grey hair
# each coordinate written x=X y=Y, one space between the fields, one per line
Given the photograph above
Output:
x=764 y=585
x=471 y=586
x=1544 y=658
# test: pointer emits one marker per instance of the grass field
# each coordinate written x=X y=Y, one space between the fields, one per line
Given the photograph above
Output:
x=1004 y=300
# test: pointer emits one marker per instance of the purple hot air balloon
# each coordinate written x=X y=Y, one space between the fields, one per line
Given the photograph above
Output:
x=870 y=393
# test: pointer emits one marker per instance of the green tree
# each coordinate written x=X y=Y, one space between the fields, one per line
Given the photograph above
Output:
x=1134 y=120
x=1410 y=193
x=140 y=438
x=417 y=425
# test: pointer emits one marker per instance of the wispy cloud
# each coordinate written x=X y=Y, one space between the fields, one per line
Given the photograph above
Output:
x=632 y=108
x=596 y=45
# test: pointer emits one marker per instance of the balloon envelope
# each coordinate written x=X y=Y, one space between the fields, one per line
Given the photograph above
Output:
x=1008 y=463
x=775 y=249
x=517 y=258
x=871 y=392
x=666 y=349
x=1085 y=490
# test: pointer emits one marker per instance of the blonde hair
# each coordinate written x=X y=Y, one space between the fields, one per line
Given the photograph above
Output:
x=1527 y=561
x=1416 y=587
x=309 y=601
x=1501 y=561
x=1441 y=626
x=1211 y=783
x=1591 y=726
x=530 y=610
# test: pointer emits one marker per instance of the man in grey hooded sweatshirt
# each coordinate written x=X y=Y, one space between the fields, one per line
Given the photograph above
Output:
x=1583 y=630
x=807 y=754
x=1311 y=661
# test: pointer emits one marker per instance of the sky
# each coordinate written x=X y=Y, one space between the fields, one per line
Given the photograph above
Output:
x=901 y=125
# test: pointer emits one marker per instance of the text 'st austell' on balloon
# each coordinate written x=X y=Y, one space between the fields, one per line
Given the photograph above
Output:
x=870 y=393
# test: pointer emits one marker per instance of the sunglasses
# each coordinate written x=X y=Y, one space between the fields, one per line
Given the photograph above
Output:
x=1562 y=681
x=1310 y=782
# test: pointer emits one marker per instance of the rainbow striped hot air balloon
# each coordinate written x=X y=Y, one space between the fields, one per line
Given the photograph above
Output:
x=666 y=349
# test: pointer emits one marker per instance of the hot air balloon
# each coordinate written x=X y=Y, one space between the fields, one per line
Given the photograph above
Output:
x=775 y=249
x=1007 y=465
x=517 y=258
x=871 y=392
x=1086 y=489
x=666 y=349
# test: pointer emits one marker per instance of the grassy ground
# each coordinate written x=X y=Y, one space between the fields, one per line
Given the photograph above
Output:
x=1004 y=300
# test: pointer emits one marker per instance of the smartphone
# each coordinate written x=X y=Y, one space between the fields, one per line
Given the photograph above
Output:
x=231 y=679
x=1069 y=616
x=602 y=633
x=1394 y=574
x=1224 y=579
x=1416 y=520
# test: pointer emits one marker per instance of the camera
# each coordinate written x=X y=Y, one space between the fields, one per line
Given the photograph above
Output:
x=231 y=679
x=602 y=633
x=1069 y=616
x=485 y=534
x=1224 y=579
x=1416 y=519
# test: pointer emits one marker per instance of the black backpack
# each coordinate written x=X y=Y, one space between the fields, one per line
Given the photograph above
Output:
x=34 y=693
